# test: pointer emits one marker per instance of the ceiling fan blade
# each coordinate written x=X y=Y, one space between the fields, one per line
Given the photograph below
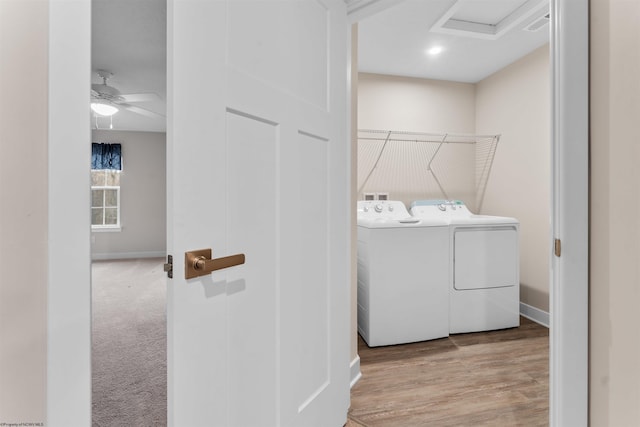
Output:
x=143 y=112
x=140 y=97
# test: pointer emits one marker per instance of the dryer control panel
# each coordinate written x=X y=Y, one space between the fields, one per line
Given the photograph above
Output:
x=439 y=208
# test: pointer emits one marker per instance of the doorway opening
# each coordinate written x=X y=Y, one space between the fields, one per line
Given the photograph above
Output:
x=466 y=87
x=128 y=206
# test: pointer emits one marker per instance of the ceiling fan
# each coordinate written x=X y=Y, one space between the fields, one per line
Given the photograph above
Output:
x=107 y=100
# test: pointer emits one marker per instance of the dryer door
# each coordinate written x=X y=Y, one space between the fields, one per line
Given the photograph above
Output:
x=485 y=257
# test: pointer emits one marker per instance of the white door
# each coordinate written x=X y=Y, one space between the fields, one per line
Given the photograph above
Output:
x=258 y=165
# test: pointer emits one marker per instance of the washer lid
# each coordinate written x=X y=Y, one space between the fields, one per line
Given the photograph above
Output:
x=408 y=222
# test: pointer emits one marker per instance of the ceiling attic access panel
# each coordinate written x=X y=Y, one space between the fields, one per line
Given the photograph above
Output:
x=488 y=19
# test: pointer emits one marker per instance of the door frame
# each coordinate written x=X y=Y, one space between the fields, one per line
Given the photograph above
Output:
x=569 y=276
x=69 y=286
x=69 y=293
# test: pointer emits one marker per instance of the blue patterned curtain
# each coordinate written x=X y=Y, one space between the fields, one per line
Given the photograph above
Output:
x=106 y=156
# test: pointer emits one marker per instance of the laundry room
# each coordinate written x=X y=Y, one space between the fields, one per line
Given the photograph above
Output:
x=453 y=147
x=471 y=85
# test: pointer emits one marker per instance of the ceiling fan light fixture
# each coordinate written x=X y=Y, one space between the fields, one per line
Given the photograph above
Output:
x=104 y=109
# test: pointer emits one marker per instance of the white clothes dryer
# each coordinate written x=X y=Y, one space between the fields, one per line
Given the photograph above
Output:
x=402 y=275
x=484 y=273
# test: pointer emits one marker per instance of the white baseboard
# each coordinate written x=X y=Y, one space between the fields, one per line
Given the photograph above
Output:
x=127 y=255
x=535 y=314
x=355 y=371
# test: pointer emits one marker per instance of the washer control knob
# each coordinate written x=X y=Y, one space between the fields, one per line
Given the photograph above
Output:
x=378 y=207
x=442 y=207
x=366 y=209
x=390 y=208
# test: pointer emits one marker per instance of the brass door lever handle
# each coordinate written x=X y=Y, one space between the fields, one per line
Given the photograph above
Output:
x=199 y=263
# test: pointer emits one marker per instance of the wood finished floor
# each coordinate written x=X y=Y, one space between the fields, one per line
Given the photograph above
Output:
x=498 y=378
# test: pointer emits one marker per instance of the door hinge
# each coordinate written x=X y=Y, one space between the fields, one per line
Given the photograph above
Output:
x=168 y=267
x=557 y=247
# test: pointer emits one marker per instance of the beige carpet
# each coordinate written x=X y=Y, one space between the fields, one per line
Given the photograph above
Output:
x=129 y=344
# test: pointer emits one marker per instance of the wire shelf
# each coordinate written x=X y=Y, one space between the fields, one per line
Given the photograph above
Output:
x=418 y=165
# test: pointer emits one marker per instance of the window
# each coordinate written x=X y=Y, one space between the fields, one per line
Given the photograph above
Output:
x=105 y=199
x=106 y=164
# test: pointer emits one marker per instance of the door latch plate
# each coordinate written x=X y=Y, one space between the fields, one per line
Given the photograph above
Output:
x=168 y=267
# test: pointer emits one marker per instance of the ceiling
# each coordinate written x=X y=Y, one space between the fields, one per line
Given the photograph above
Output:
x=129 y=39
x=478 y=37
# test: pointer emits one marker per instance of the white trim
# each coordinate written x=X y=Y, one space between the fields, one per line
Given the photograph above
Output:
x=569 y=278
x=69 y=284
x=106 y=229
x=355 y=371
x=127 y=255
x=357 y=10
x=535 y=314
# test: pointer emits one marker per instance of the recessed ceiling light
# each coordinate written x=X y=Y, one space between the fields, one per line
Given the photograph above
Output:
x=435 y=50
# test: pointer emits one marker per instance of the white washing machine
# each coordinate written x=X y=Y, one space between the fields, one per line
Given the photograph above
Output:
x=402 y=275
x=484 y=273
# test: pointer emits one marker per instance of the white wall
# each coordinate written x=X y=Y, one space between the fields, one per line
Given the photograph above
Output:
x=142 y=197
x=515 y=102
x=405 y=103
x=24 y=212
x=418 y=105
x=614 y=396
